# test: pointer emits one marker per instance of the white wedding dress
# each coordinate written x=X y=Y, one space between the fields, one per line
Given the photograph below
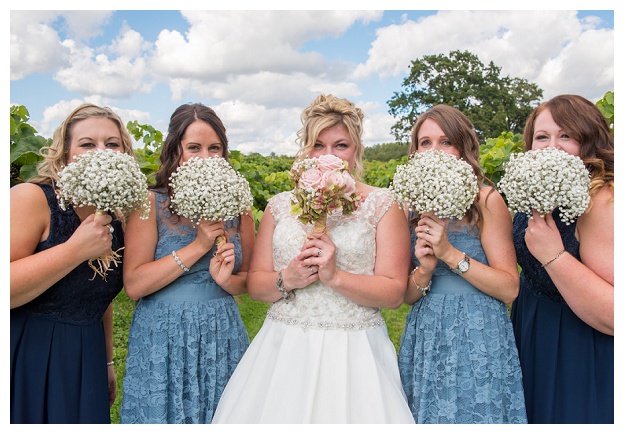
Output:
x=320 y=358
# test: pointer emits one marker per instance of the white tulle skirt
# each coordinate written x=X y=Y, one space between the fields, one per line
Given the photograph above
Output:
x=292 y=375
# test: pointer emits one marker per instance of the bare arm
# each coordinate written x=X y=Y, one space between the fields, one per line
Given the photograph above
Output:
x=586 y=286
x=33 y=273
x=500 y=278
x=143 y=275
x=386 y=288
x=236 y=284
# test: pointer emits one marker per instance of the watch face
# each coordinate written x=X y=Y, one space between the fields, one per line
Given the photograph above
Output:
x=463 y=266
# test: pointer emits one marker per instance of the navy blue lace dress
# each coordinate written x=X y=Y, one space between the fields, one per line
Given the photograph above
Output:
x=185 y=339
x=567 y=365
x=58 y=351
x=458 y=359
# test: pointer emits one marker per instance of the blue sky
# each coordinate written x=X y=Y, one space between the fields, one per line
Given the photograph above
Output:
x=259 y=69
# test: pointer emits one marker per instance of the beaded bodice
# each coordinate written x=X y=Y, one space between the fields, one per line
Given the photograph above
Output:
x=317 y=305
x=533 y=276
x=80 y=297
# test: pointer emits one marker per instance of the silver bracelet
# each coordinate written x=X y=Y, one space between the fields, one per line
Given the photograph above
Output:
x=111 y=363
x=175 y=256
x=423 y=289
x=279 y=283
x=558 y=254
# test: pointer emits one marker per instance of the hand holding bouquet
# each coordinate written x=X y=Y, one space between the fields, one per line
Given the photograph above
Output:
x=434 y=181
x=108 y=180
x=323 y=186
x=209 y=189
x=544 y=180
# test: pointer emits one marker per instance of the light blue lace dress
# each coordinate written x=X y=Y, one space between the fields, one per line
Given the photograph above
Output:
x=185 y=339
x=458 y=358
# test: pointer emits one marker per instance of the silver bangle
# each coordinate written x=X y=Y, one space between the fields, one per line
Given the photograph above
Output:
x=558 y=254
x=111 y=363
x=279 y=283
x=423 y=289
x=175 y=256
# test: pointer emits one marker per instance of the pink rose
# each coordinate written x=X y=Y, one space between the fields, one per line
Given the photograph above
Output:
x=349 y=183
x=311 y=178
x=330 y=162
x=333 y=178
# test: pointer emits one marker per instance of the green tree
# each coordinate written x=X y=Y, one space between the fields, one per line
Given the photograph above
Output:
x=493 y=103
x=606 y=106
x=24 y=145
x=385 y=151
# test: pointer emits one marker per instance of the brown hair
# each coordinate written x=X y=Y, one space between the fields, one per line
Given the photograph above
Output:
x=180 y=120
x=55 y=156
x=584 y=122
x=327 y=112
x=460 y=132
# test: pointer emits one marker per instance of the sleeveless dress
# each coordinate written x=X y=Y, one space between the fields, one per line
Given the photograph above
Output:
x=185 y=339
x=567 y=365
x=458 y=357
x=58 y=348
x=320 y=358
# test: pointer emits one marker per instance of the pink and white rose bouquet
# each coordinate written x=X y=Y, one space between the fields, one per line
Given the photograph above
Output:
x=323 y=187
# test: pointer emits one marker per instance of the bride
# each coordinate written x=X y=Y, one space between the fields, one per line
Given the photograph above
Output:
x=323 y=354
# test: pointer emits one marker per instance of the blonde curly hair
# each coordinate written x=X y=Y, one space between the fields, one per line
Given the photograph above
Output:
x=327 y=111
x=55 y=156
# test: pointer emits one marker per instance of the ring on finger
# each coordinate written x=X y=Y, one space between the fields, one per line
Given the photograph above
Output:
x=319 y=252
x=111 y=229
x=427 y=230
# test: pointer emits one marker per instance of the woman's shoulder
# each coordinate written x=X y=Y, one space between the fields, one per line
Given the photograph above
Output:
x=490 y=198
x=29 y=192
x=601 y=209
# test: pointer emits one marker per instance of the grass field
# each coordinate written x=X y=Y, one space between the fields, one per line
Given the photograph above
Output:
x=252 y=312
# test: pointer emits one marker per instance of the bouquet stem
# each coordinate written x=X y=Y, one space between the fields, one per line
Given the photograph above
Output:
x=107 y=261
x=320 y=225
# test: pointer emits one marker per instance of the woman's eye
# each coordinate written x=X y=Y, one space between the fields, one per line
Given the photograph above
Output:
x=540 y=137
x=318 y=145
x=87 y=145
x=113 y=145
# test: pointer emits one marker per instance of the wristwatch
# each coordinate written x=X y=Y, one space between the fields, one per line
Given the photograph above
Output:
x=279 y=282
x=463 y=265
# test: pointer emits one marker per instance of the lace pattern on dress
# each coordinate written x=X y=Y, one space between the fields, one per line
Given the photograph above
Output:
x=538 y=279
x=317 y=305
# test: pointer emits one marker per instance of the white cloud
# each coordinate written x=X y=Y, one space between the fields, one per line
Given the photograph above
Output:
x=116 y=71
x=35 y=45
x=545 y=47
x=220 y=45
x=55 y=114
x=84 y=25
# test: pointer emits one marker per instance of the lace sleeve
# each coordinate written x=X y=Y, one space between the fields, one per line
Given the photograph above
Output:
x=279 y=205
x=382 y=200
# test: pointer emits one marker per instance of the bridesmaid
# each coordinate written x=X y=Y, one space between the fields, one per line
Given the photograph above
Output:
x=458 y=357
x=187 y=335
x=563 y=317
x=61 y=316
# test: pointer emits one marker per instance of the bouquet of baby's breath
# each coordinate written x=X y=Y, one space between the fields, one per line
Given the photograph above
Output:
x=435 y=181
x=323 y=186
x=109 y=181
x=209 y=189
x=544 y=180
